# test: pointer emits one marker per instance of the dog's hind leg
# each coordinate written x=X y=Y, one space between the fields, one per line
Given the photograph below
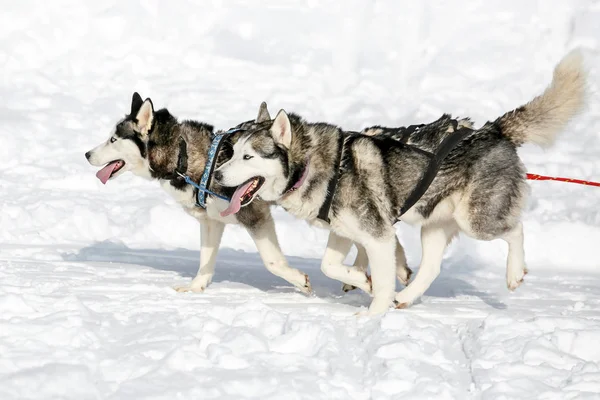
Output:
x=265 y=238
x=333 y=266
x=493 y=208
x=515 y=266
x=434 y=239
x=211 y=232
x=403 y=273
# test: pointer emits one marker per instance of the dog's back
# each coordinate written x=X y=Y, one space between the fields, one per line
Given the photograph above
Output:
x=424 y=136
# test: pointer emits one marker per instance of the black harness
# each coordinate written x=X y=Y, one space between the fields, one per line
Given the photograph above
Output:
x=435 y=162
x=332 y=185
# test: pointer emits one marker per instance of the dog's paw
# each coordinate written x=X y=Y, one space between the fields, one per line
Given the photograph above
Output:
x=402 y=301
x=513 y=281
x=369 y=284
x=197 y=285
x=306 y=287
x=362 y=313
x=188 y=288
x=347 y=288
x=401 y=306
x=404 y=275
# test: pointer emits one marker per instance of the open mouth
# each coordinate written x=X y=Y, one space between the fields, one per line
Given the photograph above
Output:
x=254 y=185
x=109 y=170
x=243 y=195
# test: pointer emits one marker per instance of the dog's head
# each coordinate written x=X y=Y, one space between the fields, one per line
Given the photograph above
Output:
x=126 y=147
x=261 y=163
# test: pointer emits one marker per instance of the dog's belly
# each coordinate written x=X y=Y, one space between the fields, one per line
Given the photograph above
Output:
x=412 y=217
x=444 y=211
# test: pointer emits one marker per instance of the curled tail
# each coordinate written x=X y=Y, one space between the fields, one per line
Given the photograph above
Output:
x=540 y=120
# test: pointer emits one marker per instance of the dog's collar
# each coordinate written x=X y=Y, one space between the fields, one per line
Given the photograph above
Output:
x=202 y=187
x=299 y=181
x=331 y=186
x=182 y=158
x=182 y=162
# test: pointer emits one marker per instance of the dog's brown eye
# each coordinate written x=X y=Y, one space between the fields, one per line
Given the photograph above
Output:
x=113 y=139
x=247 y=157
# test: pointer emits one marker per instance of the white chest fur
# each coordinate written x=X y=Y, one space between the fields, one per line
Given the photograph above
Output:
x=187 y=200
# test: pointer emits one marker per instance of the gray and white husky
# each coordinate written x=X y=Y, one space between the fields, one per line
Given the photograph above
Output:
x=480 y=188
x=153 y=144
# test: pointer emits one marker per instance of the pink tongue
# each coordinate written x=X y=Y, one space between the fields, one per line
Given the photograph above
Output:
x=236 y=203
x=104 y=173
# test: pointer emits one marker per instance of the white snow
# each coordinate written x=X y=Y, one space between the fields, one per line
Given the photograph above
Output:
x=87 y=309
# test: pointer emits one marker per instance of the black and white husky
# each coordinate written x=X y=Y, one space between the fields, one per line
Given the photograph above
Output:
x=153 y=144
x=480 y=187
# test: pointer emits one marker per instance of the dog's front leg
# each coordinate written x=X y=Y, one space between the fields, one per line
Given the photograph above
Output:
x=362 y=261
x=333 y=264
x=382 y=255
x=265 y=238
x=211 y=232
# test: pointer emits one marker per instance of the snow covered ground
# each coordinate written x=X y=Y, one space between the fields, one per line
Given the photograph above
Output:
x=87 y=309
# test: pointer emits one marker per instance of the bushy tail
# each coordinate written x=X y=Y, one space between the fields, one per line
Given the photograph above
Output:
x=540 y=120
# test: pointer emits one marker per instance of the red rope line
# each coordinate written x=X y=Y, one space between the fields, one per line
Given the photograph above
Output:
x=536 y=177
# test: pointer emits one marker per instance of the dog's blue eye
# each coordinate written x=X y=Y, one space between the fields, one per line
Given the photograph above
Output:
x=247 y=157
x=113 y=139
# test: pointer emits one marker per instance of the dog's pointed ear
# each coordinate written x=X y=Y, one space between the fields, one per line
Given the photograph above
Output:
x=282 y=129
x=144 y=116
x=136 y=103
x=263 y=113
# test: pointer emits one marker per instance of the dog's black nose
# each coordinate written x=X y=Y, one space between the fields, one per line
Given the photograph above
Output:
x=88 y=155
x=218 y=176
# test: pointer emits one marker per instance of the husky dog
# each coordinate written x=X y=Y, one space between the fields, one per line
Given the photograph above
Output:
x=153 y=144
x=426 y=137
x=480 y=188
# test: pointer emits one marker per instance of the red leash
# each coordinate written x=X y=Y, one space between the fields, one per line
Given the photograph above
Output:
x=536 y=177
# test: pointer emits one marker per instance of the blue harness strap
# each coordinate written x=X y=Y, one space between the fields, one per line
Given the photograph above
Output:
x=203 y=190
